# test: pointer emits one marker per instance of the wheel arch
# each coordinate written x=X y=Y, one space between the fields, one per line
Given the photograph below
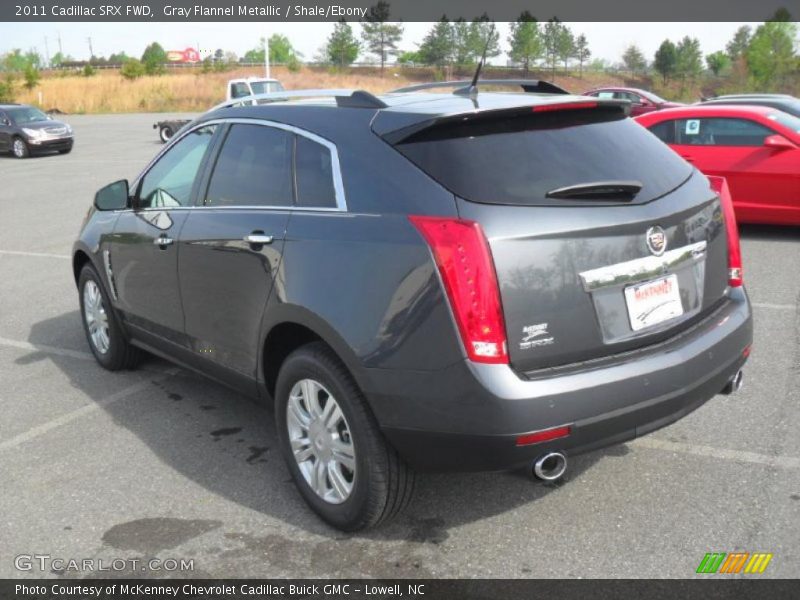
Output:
x=291 y=327
x=79 y=259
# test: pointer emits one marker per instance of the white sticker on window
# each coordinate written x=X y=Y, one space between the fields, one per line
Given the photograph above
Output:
x=692 y=126
x=605 y=95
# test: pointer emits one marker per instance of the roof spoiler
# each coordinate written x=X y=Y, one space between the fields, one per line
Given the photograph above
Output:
x=529 y=86
x=345 y=98
x=397 y=135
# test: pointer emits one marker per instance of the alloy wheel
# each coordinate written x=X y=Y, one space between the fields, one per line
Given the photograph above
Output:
x=96 y=317
x=19 y=148
x=320 y=440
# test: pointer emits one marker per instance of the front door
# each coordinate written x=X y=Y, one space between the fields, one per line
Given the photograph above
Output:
x=143 y=256
x=762 y=179
x=5 y=132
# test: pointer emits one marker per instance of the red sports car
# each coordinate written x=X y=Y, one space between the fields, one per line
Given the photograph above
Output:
x=757 y=149
x=641 y=101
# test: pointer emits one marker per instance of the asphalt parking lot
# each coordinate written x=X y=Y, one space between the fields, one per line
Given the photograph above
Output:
x=159 y=462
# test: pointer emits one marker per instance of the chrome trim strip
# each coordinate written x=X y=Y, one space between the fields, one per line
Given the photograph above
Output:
x=641 y=269
x=338 y=184
x=109 y=273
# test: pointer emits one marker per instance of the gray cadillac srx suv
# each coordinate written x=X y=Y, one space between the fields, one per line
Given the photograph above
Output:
x=464 y=281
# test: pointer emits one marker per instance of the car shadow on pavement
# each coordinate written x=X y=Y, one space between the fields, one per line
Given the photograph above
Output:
x=769 y=233
x=226 y=443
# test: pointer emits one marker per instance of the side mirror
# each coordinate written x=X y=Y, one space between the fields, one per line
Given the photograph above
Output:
x=778 y=142
x=112 y=197
x=5 y=122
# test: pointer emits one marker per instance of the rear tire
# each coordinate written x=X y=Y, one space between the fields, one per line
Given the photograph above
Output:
x=380 y=485
x=104 y=333
x=20 y=148
x=165 y=133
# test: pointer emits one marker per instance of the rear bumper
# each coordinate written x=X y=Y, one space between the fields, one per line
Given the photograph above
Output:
x=469 y=416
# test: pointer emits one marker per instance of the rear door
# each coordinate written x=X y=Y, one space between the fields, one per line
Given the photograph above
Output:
x=763 y=180
x=231 y=246
x=588 y=275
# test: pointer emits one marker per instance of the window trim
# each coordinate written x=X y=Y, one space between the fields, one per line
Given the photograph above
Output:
x=338 y=184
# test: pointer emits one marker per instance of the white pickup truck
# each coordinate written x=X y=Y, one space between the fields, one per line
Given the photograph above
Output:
x=237 y=88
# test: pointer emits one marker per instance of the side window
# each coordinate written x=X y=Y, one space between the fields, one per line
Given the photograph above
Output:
x=632 y=98
x=254 y=168
x=721 y=132
x=313 y=174
x=239 y=90
x=665 y=131
x=169 y=182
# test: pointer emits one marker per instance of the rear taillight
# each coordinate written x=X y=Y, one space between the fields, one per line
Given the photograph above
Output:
x=465 y=262
x=735 y=273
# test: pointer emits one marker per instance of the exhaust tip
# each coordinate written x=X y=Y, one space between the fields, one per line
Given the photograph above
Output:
x=550 y=466
x=735 y=383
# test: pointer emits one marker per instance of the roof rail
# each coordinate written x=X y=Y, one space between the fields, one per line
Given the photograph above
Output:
x=529 y=86
x=345 y=98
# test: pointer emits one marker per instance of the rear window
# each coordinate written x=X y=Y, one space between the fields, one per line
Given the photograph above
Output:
x=518 y=159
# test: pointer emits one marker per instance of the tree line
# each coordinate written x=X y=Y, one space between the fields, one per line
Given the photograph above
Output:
x=761 y=58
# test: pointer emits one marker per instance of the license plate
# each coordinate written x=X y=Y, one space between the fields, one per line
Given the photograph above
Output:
x=653 y=302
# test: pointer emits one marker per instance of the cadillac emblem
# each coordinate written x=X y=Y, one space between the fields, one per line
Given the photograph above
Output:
x=656 y=239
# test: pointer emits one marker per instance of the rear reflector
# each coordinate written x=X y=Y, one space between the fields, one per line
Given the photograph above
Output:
x=564 y=106
x=545 y=435
x=735 y=271
x=465 y=262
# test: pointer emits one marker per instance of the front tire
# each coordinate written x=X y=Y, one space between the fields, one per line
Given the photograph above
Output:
x=20 y=148
x=166 y=133
x=102 y=326
x=342 y=465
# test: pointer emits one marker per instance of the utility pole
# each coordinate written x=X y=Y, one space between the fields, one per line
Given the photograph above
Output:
x=91 y=52
x=266 y=55
x=46 y=52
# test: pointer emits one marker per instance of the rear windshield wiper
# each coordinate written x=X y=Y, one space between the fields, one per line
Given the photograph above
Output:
x=599 y=190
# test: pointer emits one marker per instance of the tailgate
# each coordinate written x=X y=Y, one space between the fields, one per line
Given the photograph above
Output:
x=577 y=285
x=603 y=239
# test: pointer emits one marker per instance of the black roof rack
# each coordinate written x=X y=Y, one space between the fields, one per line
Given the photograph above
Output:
x=344 y=98
x=529 y=86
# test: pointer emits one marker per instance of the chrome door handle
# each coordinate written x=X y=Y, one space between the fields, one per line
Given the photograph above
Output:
x=258 y=238
x=163 y=241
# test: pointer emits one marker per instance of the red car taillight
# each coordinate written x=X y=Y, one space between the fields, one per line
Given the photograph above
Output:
x=735 y=272
x=465 y=262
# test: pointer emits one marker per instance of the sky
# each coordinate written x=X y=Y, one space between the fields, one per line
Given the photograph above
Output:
x=606 y=40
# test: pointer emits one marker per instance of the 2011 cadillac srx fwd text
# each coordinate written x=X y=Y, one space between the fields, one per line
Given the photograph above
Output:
x=462 y=281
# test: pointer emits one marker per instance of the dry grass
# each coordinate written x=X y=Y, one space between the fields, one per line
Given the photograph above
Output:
x=194 y=91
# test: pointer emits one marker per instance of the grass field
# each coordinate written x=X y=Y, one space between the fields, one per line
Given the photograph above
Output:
x=109 y=92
